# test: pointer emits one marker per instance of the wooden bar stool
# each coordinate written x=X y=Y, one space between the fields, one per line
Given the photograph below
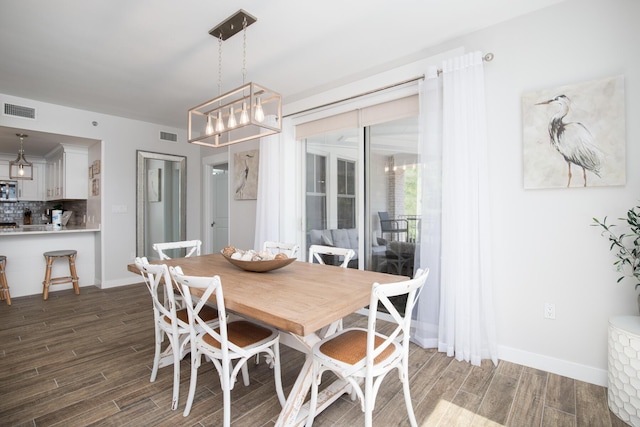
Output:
x=4 y=286
x=52 y=256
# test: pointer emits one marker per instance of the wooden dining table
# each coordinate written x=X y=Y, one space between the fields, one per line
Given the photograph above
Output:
x=304 y=301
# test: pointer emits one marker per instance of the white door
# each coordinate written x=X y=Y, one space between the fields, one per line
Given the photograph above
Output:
x=219 y=225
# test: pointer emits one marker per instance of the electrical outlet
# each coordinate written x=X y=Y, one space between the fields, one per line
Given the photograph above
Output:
x=549 y=310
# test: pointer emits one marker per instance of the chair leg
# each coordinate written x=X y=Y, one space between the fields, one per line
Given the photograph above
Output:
x=369 y=402
x=407 y=396
x=156 y=357
x=176 y=377
x=245 y=375
x=5 y=294
x=192 y=382
x=74 y=275
x=47 y=278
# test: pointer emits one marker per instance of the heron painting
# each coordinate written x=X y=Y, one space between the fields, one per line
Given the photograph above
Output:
x=246 y=175
x=574 y=136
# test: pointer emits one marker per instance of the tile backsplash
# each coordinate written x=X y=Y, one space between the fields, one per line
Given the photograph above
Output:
x=14 y=211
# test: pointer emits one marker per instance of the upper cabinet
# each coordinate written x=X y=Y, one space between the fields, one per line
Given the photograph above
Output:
x=33 y=189
x=66 y=173
x=28 y=189
x=4 y=169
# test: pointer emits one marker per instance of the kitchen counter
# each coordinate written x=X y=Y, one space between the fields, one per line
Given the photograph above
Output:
x=46 y=229
x=24 y=246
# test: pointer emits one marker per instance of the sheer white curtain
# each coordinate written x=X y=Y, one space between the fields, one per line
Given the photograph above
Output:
x=466 y=326
x=430 y=154
x=275 y=205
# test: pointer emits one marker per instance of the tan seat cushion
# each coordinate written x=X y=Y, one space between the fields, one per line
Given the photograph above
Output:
x=241 y=333
x=351 y=347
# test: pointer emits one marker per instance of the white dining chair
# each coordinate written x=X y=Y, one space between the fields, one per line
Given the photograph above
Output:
x=230 y=342
x=318 y=252
x=290 y=249
x=169 y=321
x=191 y=248
x=357 y=354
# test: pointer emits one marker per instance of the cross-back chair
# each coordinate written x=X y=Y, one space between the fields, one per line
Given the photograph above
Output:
x=170 y=321
x=191 y=248
x=230 y=342
x=164 y=249
x=290 y=249
x=319 y=252
x=363 y=357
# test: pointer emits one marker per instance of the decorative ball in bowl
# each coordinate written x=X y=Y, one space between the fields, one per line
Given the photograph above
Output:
x=257 y=262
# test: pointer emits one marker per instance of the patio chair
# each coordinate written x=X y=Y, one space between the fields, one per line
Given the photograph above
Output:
x=393 y=226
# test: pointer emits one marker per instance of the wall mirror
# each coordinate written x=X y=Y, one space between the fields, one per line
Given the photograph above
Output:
x=161 y=200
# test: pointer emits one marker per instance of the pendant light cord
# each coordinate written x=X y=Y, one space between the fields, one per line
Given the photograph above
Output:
x=220 y=65
x=244 y=51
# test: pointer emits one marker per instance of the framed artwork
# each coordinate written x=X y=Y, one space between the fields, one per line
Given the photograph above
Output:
x=96 y=167
x=574 y=136
x=153 y=184
x=95 y=187
x=245 y=174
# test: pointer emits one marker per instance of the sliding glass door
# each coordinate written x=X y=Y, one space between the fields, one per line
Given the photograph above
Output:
x=341 y=193
x=331 y=187
x=392 y=205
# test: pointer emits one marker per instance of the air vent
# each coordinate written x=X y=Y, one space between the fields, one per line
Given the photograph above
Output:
x=166 y=136
x=19 y=111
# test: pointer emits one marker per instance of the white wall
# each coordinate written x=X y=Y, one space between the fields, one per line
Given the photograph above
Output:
x=120 y=139
x=544 y=249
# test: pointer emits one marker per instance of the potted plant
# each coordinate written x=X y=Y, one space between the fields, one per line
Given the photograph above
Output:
x=625 y=245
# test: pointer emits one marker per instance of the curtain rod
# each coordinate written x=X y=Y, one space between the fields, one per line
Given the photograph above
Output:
x=487 y=58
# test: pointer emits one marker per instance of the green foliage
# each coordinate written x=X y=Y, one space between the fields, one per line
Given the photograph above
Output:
x=626 y=246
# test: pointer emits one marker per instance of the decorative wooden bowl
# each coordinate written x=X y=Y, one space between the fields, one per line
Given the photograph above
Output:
x=260 y=266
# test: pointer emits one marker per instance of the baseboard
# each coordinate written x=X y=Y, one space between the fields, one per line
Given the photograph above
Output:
x=120 y=282
x=565 y=368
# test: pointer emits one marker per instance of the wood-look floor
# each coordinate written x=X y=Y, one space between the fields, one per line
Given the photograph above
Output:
x=86 y=360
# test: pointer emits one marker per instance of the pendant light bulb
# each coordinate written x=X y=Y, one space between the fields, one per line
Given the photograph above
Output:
x=209 y=129
x=259 y=114
x=232 y=119
x=219 y=122
x=21 y=170
x=244 y=115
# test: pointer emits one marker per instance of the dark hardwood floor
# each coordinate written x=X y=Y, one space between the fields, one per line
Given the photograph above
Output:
x=86 y=360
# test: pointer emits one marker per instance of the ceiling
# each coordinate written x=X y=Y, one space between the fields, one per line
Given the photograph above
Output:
x=152 y=60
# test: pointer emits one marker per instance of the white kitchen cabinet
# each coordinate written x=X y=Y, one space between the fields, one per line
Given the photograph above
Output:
x=67 y=168
x=33 y=189
x=4 y=169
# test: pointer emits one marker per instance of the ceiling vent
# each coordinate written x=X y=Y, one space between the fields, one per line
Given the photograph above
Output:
x=166 y=136
x=19 y=111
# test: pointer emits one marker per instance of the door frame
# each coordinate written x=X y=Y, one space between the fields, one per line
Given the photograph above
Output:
x=207 y=169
